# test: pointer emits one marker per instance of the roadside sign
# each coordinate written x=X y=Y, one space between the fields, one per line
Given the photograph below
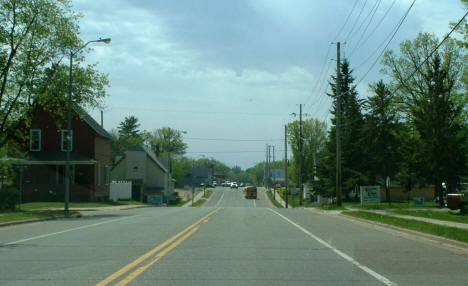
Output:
x=370 y=194
x=418 y=201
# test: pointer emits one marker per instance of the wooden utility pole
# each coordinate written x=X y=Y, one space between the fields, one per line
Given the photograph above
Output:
x=301 y=155
x=338 y=125
x=286 y=162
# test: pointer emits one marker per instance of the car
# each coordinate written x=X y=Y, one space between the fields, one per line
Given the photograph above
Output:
x=234 y=185
x=241 y=185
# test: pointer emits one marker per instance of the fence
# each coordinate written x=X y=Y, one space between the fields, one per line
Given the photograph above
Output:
x=120 y=190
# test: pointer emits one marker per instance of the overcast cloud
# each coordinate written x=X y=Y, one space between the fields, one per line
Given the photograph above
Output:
x=237 y=69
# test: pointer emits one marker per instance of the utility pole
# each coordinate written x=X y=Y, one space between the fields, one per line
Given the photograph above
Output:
x=286 y=162
x=338 y=125
x=274 y=175
x=301 y=159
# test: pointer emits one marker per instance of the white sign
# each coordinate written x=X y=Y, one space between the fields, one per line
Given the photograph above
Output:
x=370 y=194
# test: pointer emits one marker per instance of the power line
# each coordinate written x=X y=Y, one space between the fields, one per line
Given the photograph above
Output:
x=388 y=43
x=233 y=140
x=355 y=22
x=346 y=21
x=376 y=7
x=229 y=152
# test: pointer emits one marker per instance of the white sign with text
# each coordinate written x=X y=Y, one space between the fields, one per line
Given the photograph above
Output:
x=370 y=194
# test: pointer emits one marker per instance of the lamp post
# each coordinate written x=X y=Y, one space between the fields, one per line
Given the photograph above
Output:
x=68 y=135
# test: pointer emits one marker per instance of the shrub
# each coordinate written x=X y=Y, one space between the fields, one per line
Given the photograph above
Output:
x=9 y=198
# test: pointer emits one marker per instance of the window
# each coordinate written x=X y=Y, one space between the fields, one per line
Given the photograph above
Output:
x=106 y=175
x=35 y=140
x=67 y=140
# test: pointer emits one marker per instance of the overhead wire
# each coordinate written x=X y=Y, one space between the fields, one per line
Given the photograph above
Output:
x=389 y=41
x=232 y=139
x=373 y=11
x=355 y=22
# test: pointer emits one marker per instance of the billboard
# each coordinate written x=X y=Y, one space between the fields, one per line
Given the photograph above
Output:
x=370 y=194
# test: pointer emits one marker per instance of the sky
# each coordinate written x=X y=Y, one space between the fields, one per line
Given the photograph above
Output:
x=230 y=73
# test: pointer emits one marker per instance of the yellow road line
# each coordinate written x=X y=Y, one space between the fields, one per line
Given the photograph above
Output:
x=142 y=258
x=160 y=255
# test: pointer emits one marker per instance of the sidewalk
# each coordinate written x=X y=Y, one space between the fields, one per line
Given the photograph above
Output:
x=429 y=220
x=110 y=208
x=277 y=197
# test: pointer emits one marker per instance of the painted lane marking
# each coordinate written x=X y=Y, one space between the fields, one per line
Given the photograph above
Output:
x=255 y=204
x=145 y=256
x=68 y=230
x=366 y=269
x=220 y=199
x=160 y=255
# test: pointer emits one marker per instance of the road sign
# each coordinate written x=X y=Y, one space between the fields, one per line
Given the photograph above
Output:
x=370 y=194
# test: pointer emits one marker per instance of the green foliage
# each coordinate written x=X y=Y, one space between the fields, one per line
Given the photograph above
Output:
x=121 y=144
x=435 y=114
x=35 y=36
x=166 y=140
x=9 y=198
x=129 y=127
x=354 y=165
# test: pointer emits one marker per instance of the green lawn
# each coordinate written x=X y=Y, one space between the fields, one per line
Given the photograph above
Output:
x=329 y=207
x=199 y=203
x=439 y=230
x=178 y=203
x=385 y=206
x=273 y=201
x=208 y=193
x=441 y=215
x=293 y=202
x=46 y=205
x=21 y=215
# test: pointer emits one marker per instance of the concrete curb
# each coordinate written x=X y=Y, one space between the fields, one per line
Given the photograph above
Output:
x=16 y=222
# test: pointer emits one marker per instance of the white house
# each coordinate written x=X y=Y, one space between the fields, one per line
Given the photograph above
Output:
x=149 y=176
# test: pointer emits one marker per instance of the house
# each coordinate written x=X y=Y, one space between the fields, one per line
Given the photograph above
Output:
x=148 y=174
x=198 y=175
x=42 y=173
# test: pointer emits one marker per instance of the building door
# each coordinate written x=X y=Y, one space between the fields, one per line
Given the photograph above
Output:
x=136 y=192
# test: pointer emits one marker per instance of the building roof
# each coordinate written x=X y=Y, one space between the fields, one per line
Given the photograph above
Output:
x=140 y=148
x=91 y=122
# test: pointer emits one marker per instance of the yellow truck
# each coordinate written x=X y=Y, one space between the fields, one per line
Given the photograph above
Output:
x=250 y=192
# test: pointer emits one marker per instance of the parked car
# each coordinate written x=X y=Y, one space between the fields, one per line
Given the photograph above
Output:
x=234 y=185
x=457 y=201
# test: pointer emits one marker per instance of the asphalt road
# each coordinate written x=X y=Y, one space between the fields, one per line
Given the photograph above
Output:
x=229 y=241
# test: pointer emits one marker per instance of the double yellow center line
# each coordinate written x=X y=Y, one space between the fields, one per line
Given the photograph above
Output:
x=158 y=253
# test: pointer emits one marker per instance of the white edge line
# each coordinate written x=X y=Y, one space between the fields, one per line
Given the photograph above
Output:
x=366 y=269
x=217 y=204
x=255 y=204
x=68 y=230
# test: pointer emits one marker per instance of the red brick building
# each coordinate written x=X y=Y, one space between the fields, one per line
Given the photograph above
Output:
x=43 y=177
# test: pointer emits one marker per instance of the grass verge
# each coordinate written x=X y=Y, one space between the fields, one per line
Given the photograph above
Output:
x=273 y=201
x=439 y=230
x=25 y=215
x=440 y=215
x=49 y=205
x=207 y=193
x=178 y=203
x=199 y=203
x=385 y=206
x=330 y=207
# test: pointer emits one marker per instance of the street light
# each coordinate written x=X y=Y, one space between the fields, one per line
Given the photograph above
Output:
x=69 y=137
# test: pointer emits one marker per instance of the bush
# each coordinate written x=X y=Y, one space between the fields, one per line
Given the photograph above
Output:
x=9 y=198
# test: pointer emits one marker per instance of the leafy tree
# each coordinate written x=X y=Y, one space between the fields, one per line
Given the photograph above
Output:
x=129 y=127
x=167 y=140
x=314 y=136
x=380 y=135
x=121 y=144
x=34 y=38
x=430 y=98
